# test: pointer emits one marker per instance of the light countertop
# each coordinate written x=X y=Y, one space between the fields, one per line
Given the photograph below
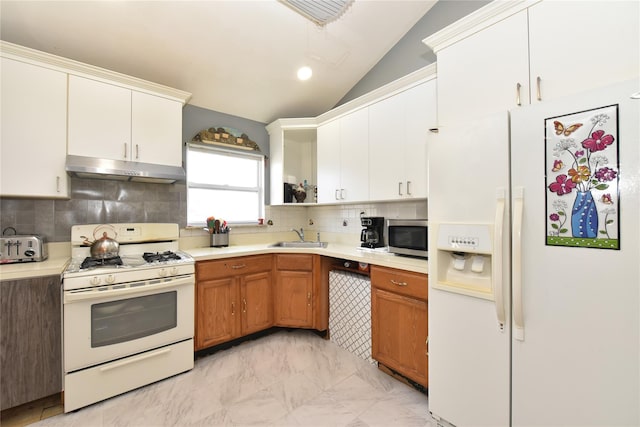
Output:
x=335 y=250
x=52 y=266
x=56 y=263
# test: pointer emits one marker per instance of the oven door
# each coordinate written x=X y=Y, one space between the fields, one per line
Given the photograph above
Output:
x=109 y=322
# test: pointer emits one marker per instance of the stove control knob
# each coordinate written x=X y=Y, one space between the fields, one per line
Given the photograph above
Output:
x=174 y=271
x=162 y=273
x=110 y=278
x=95 y=280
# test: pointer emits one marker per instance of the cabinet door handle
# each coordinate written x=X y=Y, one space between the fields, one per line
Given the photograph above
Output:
x=398 y=283
x=426 y=346
x=238 y=266
x=125 y=150
x=518 y=86
x=408 y=188
x=233 y=308
x=244 y=305
x=399 y=189
x=342 y=194
x=538 y=94
x=336 y=195
x=57 y=184
x=137 y=152
x=309 y=298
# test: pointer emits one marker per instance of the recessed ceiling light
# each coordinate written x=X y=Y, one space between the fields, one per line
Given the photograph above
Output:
x=304 y=73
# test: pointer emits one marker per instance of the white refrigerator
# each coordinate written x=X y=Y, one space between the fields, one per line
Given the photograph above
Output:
x=534 y=265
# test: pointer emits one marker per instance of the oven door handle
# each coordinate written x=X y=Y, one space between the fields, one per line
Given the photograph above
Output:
x=94 y=293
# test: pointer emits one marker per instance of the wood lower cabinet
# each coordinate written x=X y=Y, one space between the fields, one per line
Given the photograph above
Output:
x=294 y=290
x=30 y=339
x=399 y=325
x=216 y=311
x=233 y=298
x=256 y=301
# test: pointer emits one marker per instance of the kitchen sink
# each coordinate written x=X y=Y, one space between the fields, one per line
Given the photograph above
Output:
x=299 y=244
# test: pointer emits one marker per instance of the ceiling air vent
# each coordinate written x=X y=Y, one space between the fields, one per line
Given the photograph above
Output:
x=319 y=11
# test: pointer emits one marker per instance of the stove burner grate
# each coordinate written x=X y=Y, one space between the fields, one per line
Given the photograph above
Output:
x=160 y=256
x=100 y=262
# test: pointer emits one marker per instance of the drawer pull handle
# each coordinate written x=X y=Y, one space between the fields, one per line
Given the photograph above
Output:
x=134 y=360
x=398 y=283
x=238 y=266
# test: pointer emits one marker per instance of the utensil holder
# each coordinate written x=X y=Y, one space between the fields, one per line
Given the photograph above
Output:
x=219 y=240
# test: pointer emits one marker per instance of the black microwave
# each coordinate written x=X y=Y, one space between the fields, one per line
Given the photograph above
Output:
x=408 y=237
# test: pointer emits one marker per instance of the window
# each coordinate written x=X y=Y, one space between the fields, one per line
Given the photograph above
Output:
x=225 y=184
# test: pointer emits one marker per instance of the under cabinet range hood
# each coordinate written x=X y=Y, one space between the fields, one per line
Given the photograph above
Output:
x=90 y=167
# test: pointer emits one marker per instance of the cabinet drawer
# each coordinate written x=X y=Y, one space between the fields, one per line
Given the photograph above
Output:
x=232 y=267
x=402 y=282
x=295 y=262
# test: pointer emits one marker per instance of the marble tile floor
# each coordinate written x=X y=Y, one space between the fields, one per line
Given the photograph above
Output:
x=289 y=378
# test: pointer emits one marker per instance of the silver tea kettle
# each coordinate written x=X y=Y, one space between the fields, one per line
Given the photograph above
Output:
x=104 y=247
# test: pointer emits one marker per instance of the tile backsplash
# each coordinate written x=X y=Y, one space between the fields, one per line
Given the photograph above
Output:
x=92 y=202
x=103 y=201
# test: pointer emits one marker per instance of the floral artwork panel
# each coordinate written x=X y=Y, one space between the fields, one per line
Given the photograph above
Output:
x=582 y=179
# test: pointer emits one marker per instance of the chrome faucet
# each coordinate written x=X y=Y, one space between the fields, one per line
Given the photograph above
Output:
x=299 y=233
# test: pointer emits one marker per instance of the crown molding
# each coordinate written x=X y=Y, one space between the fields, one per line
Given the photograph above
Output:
x=478 y=20
x=292 y=123
x=403 y=83
x=399 y=85
x=69 y=66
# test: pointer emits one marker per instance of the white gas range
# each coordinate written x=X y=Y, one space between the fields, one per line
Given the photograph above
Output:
x=128 y=320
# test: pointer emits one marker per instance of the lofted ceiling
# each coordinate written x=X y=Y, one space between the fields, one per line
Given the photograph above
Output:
x=238 y=57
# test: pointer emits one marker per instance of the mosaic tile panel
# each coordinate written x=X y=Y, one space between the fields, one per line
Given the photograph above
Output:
x=350 y=313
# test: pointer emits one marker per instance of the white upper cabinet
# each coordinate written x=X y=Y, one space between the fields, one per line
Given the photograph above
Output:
x=99 y=119
x=398 y=129
x=112 y=122
x=421 y=116
x=34 y=131
x=484 y=73
x=373 y=148
x=515 y=53
x=343 y=158
x=354 y=156
x=574 y=46
x=386 y=151
x=328 y=157
x=292 y=157
x=156 y=129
